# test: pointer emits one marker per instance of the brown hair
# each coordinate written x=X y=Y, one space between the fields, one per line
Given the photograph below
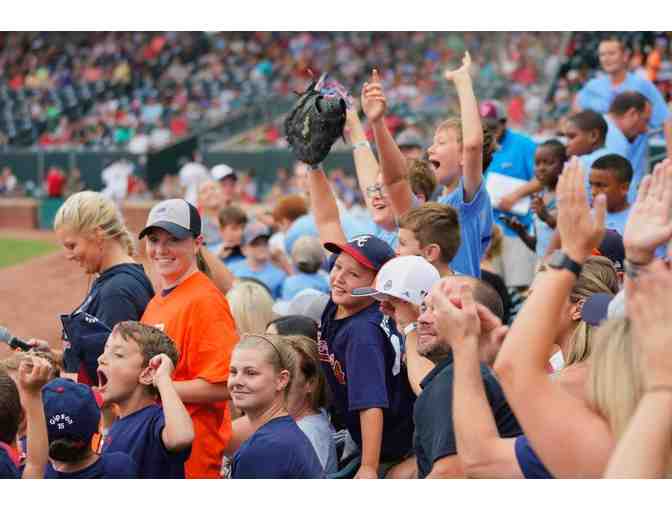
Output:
x=434 y=223
x=308 y=361
x=421 y=177
x=10 y=408
x=290 y=208
x=232 y=215
x=150 y=340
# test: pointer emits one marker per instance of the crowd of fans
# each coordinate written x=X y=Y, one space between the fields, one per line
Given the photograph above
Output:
x=399 y=339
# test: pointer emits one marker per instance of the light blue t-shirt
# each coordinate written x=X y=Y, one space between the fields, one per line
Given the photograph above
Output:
x=475 y=228
x=587 y=161
x=391 y=237
x=297 y=282
x=320 y=432
x=543 y=232
x=635 y=152
x=514 y=158
x=305 y=226
x=616 y=221
x=269 y=275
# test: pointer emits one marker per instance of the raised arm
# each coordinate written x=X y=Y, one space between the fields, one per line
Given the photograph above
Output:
x=33 y=374
x=366 y=165
x=393 y=164
x=581 y=445
x=667 y=130
x=644 y=449
x=324 y=208
x=472 y=131
x=482 y=451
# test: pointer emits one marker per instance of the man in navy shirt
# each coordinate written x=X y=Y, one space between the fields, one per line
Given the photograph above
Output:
x=136 y=365
x=360 y=351
x=435 y=444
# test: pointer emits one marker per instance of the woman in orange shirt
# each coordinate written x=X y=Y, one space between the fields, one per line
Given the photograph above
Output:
x=195 y=314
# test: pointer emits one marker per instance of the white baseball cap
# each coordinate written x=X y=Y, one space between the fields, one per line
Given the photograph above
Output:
x=220 y=172
x=409 y=278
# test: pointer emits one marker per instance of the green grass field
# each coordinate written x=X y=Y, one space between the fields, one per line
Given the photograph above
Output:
x=16 y=251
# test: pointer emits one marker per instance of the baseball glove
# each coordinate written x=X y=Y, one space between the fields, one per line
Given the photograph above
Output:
x=315 y=122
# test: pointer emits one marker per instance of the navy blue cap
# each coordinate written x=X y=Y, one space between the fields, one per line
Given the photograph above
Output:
x=594 y=310
x=71 y=410
x=368 y=250
x=612 y=247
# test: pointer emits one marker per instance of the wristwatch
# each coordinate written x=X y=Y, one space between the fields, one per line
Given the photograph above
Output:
x=632 y=269
x=560 y=260
x=410 y=328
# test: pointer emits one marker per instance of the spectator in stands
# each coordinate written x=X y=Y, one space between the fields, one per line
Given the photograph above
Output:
x=227 y=178
x=422 y=180
x=287 y=210
x=610 y=176
x=209 y=204
x=55 y=182
x=251 y=306
x=232 y=221
x=192 y=174
x=307 y=259
x=598 y=93
x=257 y=263
x=8 y=182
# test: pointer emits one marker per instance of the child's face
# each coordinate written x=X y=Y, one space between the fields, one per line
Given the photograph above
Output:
x=445 y=154
x=232 y=234
x=253 y=382
x=579 y=142
x=547 y=167
x=381 y=209
x=605 y=182
x=209 y=195
x=347 y=275
x=119 y=369
x=408 y=243
x=258 y=250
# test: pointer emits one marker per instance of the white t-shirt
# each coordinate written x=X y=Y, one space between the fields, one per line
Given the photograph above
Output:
x=115 y=178
x=191 y=176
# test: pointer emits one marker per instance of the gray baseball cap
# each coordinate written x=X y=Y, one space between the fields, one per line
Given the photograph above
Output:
x=176 y=216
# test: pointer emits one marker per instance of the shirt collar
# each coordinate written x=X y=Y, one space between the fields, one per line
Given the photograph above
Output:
x=448 y=360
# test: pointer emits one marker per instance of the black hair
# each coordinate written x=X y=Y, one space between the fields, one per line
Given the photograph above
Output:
x=617 y=165
x=589 y=120
x=626 y=100
x=557 y=147
x=295 y=325
x=69 y=450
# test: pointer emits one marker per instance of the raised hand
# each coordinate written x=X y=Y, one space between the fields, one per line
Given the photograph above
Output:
x=163 y=367
x=580 y=231
x=650 y=223
x=373 y=99
x=457 y=317
x=461 y=73
x=650 y=312
x=33 y=374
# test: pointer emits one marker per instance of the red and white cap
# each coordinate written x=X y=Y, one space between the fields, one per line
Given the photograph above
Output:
x=409 y=278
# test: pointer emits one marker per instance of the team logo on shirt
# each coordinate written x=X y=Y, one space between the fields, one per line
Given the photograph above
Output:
x=325 y=356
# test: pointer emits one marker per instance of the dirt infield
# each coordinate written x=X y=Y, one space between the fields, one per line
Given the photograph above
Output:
x=34 y=294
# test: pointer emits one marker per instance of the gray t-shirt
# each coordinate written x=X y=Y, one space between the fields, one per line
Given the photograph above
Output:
x=321 y=436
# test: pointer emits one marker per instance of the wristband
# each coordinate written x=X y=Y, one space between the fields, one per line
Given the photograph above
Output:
x=633 y=270
x=410 y=328
x=658 y=388
x=359 y=145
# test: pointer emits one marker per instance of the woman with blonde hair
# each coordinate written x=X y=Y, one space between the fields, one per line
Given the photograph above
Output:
x=93 y=234
x=251 y=305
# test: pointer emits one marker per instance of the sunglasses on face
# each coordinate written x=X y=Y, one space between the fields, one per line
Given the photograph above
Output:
x=376 y=189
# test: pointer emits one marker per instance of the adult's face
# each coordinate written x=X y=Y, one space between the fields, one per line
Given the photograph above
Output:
x=612 y=57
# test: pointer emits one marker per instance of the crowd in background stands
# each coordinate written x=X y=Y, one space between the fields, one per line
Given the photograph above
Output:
x=141 y=90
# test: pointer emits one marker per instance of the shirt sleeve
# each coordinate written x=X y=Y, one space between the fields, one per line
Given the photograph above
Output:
x=258 y=461
x=158 y=424
x=660 y=113
x=365 y=368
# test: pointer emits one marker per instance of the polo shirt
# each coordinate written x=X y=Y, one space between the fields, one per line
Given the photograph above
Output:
x=434 y=429
x=361 y=360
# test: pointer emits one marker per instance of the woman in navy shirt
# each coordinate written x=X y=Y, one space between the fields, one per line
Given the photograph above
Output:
x=259 y=380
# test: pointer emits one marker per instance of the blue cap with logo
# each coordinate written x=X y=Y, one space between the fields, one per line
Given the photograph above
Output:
x=71 y=410
x=368 y=250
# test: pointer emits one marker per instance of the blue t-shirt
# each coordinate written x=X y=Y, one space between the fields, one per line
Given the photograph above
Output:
x=279 y=449
x=514 y=158
x=108 y=465
x=475 y=229
x=391 y=237
x=297 y=282
x=119 y=294
x=599 y=93
x=528 y=461
x=635 y=152
x=269 y=275
x=139 y=435
x=8 y=469
x=305 y=226
x=543 y=232
x=616 y=221
x=361 y=358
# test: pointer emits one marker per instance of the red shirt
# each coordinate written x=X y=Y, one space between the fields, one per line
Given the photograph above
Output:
x=55 y=183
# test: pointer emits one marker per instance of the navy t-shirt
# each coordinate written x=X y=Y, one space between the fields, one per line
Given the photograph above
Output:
x=361 y=359
x=528 y=461
x=279 y=449
x=139 y=435
x=108 y=465
x=8 y=469
x=434 y=429
x=119 y=294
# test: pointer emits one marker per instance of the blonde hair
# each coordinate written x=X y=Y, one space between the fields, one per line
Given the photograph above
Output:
x=87 y=211
x=489 y=139
x=251 y=306
x=277 y=352
x=615 y=381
